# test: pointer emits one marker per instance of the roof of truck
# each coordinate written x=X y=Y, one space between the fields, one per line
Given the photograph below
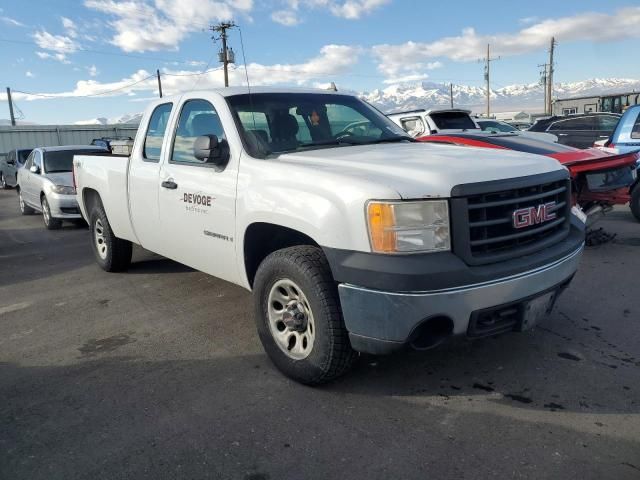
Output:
x=230 y=91
x=64 y=148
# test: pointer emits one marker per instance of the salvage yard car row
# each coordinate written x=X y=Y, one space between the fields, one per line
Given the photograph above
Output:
x=352 y=236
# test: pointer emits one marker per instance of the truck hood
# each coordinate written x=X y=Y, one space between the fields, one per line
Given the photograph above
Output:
x=422 y=170
x=61 y=178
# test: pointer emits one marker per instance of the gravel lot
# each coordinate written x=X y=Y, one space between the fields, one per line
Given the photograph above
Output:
x=158 y=373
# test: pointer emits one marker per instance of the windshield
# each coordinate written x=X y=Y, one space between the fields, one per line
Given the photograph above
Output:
x=22 y=156
x=62 y=160
x=273 y=123
x=496 y=126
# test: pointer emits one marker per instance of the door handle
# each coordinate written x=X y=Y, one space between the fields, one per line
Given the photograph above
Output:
x=170 y=184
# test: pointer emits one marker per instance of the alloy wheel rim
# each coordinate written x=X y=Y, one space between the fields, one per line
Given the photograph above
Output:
x=291 y=320
x=98 y=234
x=45 y=211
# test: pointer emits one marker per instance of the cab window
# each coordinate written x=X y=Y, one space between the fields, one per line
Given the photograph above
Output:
x=37 y=160
x=198 y=117
x=635 y=131
x=607 y=122
x=155 y=134
x=11 y=156
x=29 y=162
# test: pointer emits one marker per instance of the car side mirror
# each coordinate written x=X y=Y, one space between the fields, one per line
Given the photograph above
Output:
x=208 y=149
x=11 y=162
x=34 y=169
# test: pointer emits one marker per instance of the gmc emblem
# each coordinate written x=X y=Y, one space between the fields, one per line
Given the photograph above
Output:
x=526 y=217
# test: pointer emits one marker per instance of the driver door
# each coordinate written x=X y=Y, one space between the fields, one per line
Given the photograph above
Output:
x=196 y=199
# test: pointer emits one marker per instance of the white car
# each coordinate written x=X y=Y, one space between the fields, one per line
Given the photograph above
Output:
x=45 y=184
x=352 y=236
x=421 y=122
x=496 y=126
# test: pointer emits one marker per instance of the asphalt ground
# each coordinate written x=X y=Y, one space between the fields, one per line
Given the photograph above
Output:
x=158 y=373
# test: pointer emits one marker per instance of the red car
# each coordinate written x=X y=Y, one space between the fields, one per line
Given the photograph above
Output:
x=600 y=180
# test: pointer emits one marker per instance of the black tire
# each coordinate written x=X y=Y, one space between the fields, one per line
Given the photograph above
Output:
x=49 y=222
x=3 y=182
x=634 y=204
x=331 y=354
x=113 y=254
x=24 y=208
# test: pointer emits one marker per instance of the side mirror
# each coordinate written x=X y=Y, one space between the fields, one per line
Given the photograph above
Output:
x=208 y=149
x=11 y=162
x=34 y=169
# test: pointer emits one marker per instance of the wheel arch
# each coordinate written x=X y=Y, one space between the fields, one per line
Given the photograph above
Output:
x=263 y=238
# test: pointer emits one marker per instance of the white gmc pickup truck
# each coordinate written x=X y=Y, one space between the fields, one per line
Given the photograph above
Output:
x=352 y=237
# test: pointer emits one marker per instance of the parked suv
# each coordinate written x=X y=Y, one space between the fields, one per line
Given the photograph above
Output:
x=581 y=130
x=45 y=184
x=9 y=166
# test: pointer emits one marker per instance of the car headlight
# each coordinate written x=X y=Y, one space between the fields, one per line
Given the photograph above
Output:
x=63 y=190
x=409 y=227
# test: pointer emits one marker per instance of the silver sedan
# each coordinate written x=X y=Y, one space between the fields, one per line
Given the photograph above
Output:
x=45 y=184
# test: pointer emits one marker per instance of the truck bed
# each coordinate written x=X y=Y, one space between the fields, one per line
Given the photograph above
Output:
x=108 y=176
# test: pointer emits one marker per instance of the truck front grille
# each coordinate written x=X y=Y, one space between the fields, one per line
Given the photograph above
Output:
x=483 y=226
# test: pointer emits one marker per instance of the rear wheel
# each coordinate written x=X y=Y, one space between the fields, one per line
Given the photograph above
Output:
x=24 y=208
x=49 y=222
x=298 y=316
x=634 y=204
x=113 y=254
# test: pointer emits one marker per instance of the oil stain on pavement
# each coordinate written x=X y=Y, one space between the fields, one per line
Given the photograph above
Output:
x=95 y=347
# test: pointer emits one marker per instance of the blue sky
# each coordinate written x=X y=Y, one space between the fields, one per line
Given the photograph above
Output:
x=73 y=48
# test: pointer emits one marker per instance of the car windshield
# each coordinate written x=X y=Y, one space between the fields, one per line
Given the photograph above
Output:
x=22 y=156
x=497 y=126
x=62 y=160
x=274 y=123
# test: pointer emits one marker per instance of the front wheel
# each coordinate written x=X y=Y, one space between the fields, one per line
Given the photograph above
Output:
x=113 y=254
x=3 y=182
x=298 y=316
x=24 y=208
x=634 y=204
x=49 y=222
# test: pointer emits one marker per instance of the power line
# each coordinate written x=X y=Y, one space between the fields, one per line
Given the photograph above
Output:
x=124 y=87
x=98 y=52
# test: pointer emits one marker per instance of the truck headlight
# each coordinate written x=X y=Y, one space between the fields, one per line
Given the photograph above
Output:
x=409 y=227
x=63 y=190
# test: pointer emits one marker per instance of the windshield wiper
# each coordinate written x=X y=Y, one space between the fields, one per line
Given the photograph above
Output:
x=332 y=141
x=398 y=138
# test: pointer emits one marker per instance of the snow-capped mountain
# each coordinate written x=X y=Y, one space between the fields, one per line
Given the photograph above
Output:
x=528 y=97
x=130 y=118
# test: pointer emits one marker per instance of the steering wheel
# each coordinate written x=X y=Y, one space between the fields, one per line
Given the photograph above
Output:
x=343 y=134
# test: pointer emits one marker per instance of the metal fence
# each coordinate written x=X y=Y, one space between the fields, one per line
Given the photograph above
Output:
x=30 y=136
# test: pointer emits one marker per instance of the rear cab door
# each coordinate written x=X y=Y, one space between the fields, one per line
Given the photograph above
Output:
x=197 y=200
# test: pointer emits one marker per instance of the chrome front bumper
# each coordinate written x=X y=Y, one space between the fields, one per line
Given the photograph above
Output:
x=381 y=322
x=63 y=206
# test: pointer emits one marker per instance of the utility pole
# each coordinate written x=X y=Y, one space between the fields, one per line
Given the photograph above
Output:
x=550 y=78
x=543 y=82
x=159 y=83
x=451 y=94
x=13 y=117
x=221 y=29
x=487 y=77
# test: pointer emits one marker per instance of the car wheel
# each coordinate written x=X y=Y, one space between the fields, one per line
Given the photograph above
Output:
x=298 y=316
x=634 y=204
x=49 y=222
x=3 y=182
x=24 y=208
x=113 y=254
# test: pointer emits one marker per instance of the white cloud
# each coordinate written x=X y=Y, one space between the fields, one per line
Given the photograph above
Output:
x=29 y=74
x=140 y=26
x=61 y=57
x=287 y=18
x=349 y=9
x=332 y=60
x=70 y=27
x=11 y=21
x=470 y=46
x=93 y=70
x=60 y=44
x=354 y=9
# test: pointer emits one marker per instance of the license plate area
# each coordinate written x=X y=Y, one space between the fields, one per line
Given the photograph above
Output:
x=517 y=316
x=535 y=310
